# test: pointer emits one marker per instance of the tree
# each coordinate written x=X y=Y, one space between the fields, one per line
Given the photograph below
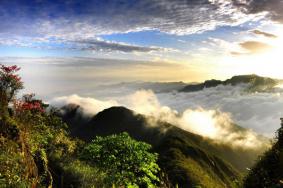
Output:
x=126 y=162
x=10 y=84
x=268 y=171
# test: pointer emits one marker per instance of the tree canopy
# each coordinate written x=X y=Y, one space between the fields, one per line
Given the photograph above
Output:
x=126 y=161
x=10 y=84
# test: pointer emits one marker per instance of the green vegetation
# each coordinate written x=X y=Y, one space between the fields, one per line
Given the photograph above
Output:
x=186 y=159
x=37 y=151
x=10 y=84
x=126 y=161
x=192 y=161
x=268 y=172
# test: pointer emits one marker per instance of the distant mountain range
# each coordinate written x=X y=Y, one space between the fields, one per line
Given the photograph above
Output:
x=157 y=87
x=187 y=158
x=253 y=82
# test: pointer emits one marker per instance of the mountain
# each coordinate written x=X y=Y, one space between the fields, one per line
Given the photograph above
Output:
x=157 y=87
x=254 y=82
x=187 y=158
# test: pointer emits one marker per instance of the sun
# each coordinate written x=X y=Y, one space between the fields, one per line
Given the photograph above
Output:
x=271 y=61
x=267 y=63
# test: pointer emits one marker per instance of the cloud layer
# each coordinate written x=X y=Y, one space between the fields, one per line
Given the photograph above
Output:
x=209 y=123
x=82 y=21
x=90 y=105
x=274 y=8
x=259 y=112
x=109 y=46
x=84 y=26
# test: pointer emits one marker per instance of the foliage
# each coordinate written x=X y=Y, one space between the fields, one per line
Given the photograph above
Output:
x=76 y=173
x=34 y=142
x=213 y=158
x=29 y=103
x=188 y=165
x=44 y=130
x=17 y=168
x=268 y=172
x=126 y=161
x=10 y=81
x=36 y=150
x=11 y=164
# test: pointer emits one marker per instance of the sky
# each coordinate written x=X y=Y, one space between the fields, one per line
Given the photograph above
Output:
x=71 y=41
x=71 y=49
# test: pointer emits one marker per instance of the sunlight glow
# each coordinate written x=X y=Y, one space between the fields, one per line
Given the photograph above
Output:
x=279 y=86
x=202 y=121
x=267 y=63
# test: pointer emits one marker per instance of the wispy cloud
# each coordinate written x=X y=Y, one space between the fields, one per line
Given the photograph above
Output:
x=76 y=19
x=255 y=46
x=266 y=34
x=60 y=24
x=103 y=45
x=252 y=47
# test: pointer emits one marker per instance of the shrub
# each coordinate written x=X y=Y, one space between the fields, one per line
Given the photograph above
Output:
x=126 y=162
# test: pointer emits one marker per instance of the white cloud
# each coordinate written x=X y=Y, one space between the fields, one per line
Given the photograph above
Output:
x=257 y=111
x=90 y=105
x=94 y=18
x=209 y=123
x=109 y=46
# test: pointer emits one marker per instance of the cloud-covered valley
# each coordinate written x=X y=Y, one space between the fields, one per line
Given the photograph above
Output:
x=212 y=112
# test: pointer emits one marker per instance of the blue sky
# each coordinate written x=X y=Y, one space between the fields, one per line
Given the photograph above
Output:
x=188 y=40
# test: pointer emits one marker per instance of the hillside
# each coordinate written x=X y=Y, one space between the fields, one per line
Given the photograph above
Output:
x=268 y=172
x=254 y=82
x=188 y=159
x=36 y=149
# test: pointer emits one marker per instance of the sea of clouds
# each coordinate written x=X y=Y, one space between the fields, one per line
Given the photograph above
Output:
x=212 y=112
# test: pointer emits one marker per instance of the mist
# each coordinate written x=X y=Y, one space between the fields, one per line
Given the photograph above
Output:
x=258 y=111
x=89 y=106
x=211 y=123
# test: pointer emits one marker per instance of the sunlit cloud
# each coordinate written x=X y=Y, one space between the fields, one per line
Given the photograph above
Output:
x=212 y=124
x=253 y=47
x=200 y=38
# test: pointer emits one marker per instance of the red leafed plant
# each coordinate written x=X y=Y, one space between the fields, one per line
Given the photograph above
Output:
x=10 y=81
x=10 y=69
x=28 y=103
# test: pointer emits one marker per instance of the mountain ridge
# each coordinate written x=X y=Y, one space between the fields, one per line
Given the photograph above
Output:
x=255 y=83
x=182 y=154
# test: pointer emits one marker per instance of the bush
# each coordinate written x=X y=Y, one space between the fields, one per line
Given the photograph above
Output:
x=126 y=162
